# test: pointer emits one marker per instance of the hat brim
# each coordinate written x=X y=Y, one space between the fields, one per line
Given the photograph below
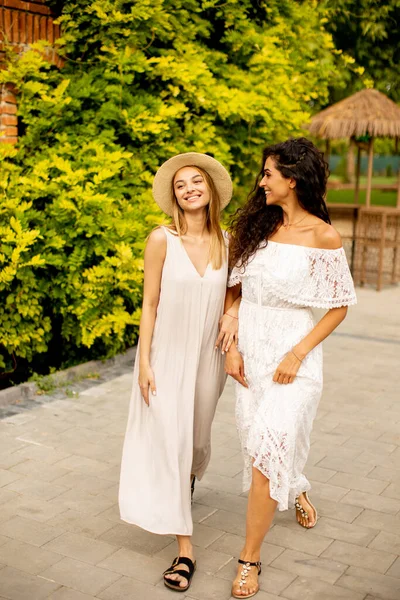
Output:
x=162 y=185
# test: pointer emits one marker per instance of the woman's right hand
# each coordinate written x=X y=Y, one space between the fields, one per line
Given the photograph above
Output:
x=146 y=381
x=234 y=365
x=228 y=332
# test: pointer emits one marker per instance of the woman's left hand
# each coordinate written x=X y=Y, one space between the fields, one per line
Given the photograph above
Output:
x=287 y=369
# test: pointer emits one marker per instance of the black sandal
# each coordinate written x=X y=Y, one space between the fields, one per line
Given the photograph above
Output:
x=192 y=486
x=175 y=585
x=243 y=575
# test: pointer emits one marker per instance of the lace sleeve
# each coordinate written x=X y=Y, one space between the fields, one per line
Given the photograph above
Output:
x=330 y=283
x=235 y=276
x=312 y=277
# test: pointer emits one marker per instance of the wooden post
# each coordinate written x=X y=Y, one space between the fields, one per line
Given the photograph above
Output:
x=363 y=239
x=350 y=172
x=326 y=157
x=381 y=251
x=370 y=168
x=358 y=168
x=327 y=151
x=396 y=220
x=398 y=188
x=354 y=239
x=363 y=277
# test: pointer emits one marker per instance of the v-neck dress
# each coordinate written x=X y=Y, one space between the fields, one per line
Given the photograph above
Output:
x=280 y=285
x=169 y=440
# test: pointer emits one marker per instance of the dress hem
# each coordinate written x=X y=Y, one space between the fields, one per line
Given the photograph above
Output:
x=281 y=506
x=152 y=530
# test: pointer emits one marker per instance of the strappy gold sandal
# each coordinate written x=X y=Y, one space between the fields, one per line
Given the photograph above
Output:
x=245 y=571
x=304 y=513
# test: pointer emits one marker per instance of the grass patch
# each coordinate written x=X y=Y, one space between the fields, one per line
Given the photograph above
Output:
x=47 y=384
x=378 y=180
x=378 y=198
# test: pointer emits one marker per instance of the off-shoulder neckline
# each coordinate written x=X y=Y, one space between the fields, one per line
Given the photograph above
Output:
x=306 y=247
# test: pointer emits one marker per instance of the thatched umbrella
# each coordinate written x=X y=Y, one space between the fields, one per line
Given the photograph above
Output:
x=367 y=113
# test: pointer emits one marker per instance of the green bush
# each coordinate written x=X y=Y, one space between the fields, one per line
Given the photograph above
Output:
x=72 y=242
x=142 y=80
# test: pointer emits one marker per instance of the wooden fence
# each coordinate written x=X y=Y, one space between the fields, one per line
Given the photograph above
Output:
x=371 y=239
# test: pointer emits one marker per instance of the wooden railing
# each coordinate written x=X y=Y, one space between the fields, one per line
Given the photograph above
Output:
x=371 y=239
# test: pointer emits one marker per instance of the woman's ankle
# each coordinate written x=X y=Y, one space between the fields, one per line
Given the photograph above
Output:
x=185 y=546
x=250 y=555
x=186 y=550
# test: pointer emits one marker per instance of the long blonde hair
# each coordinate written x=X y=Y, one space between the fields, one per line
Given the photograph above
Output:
x=217 y=245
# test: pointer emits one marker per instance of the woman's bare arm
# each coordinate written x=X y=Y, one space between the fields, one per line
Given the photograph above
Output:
x=328 y=238
x=323 y=328
x=154 y=257
x=228 y=325
x=287 y=369
x=232 y=297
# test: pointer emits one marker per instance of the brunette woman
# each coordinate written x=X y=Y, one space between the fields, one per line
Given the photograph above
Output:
x=287 y=259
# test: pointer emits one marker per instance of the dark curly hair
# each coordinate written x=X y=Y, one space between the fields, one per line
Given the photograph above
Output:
x=255 y=222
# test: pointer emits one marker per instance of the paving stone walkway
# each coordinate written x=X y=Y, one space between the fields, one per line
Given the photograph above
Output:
x=60 y=533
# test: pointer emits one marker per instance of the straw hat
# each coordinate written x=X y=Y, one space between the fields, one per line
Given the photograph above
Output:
x=162 y=185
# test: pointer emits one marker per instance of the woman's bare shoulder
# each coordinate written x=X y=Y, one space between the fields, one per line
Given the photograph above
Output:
x=326 y=237
x=157 y=242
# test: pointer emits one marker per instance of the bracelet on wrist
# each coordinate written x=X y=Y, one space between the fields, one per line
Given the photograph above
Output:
x=237 y=318
x=299 y=359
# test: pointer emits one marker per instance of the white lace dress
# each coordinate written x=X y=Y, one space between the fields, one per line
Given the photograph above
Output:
x=280 y=285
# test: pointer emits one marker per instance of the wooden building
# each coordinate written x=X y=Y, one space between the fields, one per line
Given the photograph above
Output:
x=371 y=234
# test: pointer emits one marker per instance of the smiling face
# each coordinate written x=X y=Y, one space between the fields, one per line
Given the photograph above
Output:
x=190 y=189
x=277 y=188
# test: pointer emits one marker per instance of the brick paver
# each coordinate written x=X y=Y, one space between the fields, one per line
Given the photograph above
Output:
x=60 y=533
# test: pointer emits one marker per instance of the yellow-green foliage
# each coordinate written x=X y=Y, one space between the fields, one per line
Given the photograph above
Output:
x=71 y=248
x=142 y=80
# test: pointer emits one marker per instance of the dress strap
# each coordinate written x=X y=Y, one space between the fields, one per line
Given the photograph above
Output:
x=168 y=231
x=174 y=245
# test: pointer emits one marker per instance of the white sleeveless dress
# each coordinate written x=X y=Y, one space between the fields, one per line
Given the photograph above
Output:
x=169 y=440
x=280 y=285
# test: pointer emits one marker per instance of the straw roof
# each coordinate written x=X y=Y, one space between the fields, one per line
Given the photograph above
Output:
x=367 y=111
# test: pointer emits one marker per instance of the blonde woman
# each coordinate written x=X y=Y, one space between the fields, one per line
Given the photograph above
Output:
x=178 y=375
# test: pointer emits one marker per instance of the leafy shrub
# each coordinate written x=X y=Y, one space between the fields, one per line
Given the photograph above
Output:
x=142 y=80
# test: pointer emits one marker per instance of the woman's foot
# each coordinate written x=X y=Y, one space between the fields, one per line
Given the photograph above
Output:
x=180 y=573
x=306 y=513
x=245 y=585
